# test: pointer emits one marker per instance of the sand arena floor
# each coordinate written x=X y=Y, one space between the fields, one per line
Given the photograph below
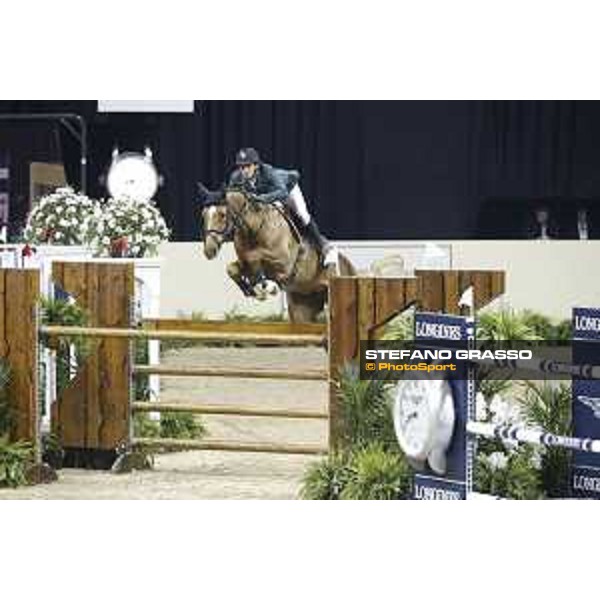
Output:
x=209 y=474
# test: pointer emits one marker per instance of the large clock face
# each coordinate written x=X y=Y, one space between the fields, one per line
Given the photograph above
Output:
x=413 y=417
x=424 y=419
x=132 y=175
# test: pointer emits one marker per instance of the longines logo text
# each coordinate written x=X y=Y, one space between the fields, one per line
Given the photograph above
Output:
x=423 y=492
x=587 y=323
x=439 y=331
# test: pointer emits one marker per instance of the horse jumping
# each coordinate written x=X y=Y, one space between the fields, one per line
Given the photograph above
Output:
x=270 y=254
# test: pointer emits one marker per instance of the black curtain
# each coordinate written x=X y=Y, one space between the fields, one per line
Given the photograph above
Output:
x=324 y=140
x=370 y=170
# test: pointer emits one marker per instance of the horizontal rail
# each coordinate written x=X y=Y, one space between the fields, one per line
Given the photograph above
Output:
x=284 y=328
x=279 y=339
x=231 y=372
x=532 y=436
x=179 y=444
x=243 y=411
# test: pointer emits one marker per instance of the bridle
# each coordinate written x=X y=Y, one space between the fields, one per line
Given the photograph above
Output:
x=227 y=232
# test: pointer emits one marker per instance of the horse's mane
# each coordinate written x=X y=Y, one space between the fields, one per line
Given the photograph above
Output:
x=269 y=211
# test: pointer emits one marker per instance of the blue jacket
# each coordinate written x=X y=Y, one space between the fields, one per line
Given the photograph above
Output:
x=269 y=185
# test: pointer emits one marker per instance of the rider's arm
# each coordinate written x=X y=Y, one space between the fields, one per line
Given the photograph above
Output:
x=277 y=183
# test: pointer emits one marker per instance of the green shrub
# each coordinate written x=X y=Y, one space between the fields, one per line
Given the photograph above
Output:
x=144 y=426
x=7 y=415
x=325 y=480
x=371 y=472
x=15 y=461
x=377 y=473
x=181 y=425
x=540 y=324
x=53 y=453
x=62 y=312
x=66 y=313
x=401 y=328
x=365 y=410
x=508 y=475
x=141 y=381
x=548 y=329
x=506 y=325
x=548 y=406
x=563 y=331
x=489 y=386
x=511 y=325
x=529 y=471
x=369 y=465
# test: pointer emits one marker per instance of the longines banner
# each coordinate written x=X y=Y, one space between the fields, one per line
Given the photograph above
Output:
x=442 y=474
x=586 y=403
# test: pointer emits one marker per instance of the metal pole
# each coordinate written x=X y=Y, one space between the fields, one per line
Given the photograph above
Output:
x=532 y=436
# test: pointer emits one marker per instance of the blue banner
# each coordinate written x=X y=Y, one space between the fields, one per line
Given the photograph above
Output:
x=456 y=480
x=585 y=475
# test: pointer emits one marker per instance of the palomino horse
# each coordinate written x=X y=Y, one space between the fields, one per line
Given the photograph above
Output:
x=269 y=249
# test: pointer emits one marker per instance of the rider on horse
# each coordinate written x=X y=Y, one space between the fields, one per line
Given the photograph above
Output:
x=270 y=185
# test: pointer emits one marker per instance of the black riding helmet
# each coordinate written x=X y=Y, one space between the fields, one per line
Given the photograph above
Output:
x=247 y=156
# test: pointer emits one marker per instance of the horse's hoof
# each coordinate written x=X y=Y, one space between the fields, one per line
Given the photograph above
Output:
x=264 y=289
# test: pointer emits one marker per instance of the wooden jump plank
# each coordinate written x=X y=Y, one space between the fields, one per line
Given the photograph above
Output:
x=227 y=446
x=201 y=336
x=440 y=291
x=243 y=411
x=231 y=372
x=282 y=328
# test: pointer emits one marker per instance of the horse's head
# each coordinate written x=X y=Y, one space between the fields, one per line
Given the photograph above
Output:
x=216 y=226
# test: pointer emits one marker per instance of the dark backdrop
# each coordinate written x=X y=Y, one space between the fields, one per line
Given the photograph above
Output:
x=371 y=170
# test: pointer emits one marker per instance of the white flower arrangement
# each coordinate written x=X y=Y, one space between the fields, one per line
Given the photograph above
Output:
x=504 y=411
x=129 y=228
x=496 y=460
x=47 y=222
x=116 y=227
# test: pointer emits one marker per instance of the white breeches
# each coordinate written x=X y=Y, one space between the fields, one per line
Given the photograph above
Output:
x=299 y=204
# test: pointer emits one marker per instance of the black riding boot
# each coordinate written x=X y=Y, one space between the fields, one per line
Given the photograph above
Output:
x=314 y=235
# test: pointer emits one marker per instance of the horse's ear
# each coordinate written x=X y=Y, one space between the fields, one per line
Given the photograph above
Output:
x=203 y=192
x=208 y=198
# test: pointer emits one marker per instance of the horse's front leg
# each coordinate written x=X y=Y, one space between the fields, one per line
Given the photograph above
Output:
x=237 y=274
x=263 y=287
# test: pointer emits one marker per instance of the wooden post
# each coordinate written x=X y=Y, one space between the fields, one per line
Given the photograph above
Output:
x=19 y=300
x=92 y=416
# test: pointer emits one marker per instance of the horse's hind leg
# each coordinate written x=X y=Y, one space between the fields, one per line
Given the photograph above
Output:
x=236 y=273
x=305 y=308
